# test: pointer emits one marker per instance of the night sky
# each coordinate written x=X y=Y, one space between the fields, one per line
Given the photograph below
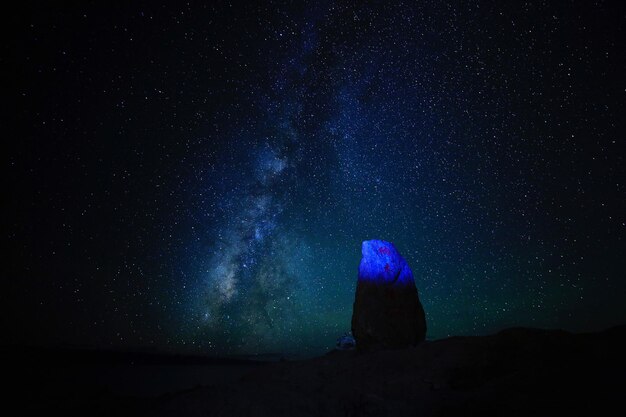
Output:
x=199 y=178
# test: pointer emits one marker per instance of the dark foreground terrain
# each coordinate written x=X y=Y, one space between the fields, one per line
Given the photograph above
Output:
x=517 y=372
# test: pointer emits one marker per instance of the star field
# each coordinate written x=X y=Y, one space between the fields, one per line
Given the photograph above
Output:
x=200 y=178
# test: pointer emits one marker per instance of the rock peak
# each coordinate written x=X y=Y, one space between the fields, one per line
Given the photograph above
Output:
x=382 y=263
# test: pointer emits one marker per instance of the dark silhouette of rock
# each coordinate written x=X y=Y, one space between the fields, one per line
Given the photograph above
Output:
x=387 y=312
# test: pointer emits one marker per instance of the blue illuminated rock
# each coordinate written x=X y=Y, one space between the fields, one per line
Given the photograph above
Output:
x=346 y=342
x=387 y=312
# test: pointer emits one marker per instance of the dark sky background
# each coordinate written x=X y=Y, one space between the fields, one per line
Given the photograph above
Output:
x=199 y=178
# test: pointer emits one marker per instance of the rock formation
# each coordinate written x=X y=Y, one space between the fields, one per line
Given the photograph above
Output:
x=387 y=312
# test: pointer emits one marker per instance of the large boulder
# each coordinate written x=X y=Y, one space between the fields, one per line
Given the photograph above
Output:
x=387 y=312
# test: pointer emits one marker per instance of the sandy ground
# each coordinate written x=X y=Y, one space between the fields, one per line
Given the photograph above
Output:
x=518 y=372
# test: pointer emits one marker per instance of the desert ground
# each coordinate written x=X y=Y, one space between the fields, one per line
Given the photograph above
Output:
x=516 y=372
